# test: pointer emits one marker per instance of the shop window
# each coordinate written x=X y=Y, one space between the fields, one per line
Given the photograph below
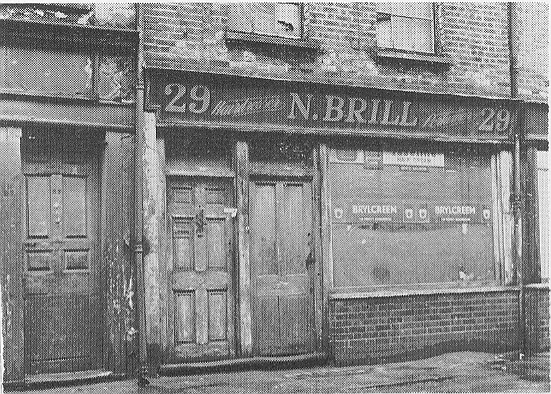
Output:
x=410 y=216
x=274 y=19
x=405 y=26
x=543 y=212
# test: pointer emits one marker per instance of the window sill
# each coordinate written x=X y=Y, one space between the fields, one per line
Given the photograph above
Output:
x=397 y=56
x=338 y=294
x=274 y=40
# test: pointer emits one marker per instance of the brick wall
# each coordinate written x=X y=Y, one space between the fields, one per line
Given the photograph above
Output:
x=533 y=46
x=537 y=318
x=473 y=35
x=383 y=329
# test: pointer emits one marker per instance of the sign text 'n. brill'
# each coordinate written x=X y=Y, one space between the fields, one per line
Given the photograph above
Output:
x=354 y=110
x=238 y=102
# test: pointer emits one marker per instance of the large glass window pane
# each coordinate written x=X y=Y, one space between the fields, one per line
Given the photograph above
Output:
x=427 y=222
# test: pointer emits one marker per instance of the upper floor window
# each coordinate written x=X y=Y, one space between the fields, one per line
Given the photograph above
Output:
x=406 y=26
x=274 y=19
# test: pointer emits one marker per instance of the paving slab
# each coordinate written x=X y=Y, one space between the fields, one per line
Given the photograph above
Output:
x=453 y=372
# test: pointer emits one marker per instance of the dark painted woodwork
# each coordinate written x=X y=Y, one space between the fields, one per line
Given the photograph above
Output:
x=118 y=275
x=315 y=108
x=530 y=222
x=200 y=249
x=11 y=261
x=243 y=279
x=67 y=35
x=282 y=263
x=73 y=112
x=61 y=280
x=326 y=252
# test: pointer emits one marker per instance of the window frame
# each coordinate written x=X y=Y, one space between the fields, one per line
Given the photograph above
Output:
x=274 y=35
x=434 y=42
x=497 y=282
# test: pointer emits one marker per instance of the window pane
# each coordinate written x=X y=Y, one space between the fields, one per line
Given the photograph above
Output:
x=280 y=19
x=412 y=34
x=48 y=71
x=240 y=17
x=384 y=34
x=74 y=204
x=421 y=31
x=263 y=20
x=428 y=222
x=287 y=19
x=417 y=10
x=384 y=7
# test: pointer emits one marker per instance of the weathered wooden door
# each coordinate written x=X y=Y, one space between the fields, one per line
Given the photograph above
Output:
x=61 y=290
x=200 y=305
x=282 y=267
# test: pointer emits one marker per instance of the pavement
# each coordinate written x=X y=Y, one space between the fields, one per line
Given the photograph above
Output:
x=451 y=372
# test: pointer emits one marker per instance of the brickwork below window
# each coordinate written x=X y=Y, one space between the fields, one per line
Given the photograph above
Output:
x=386 y=329
x=537 y=319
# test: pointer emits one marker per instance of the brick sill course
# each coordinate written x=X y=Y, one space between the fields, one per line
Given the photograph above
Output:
x=275 y=40
x=393 y=55
x=402 y=293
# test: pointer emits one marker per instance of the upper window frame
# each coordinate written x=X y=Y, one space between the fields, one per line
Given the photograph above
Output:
x=434 y=51
x=274 y=34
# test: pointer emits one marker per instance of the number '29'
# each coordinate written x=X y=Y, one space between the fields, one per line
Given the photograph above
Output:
x=197 y=102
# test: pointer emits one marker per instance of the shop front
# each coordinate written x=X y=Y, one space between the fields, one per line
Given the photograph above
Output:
x=278 y=213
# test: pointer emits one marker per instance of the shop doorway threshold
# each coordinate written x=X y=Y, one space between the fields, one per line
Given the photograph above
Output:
x=49 y=380
x=250 y=363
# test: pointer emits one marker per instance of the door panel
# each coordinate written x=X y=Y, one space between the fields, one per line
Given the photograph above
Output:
x=62 y=303
x=200 y=271
x=281 y=253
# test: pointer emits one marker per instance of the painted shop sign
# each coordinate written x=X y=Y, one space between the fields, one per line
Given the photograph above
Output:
x=366 y=211
x=419 y=159
x=237 y=101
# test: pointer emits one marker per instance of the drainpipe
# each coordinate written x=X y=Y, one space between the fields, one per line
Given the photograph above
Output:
x=138 y=222
x=517 y=191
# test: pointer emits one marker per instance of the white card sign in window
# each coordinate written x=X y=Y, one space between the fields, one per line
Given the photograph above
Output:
x=420 y=159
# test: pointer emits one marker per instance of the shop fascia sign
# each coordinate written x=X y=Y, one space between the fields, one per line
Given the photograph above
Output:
x=237 y=101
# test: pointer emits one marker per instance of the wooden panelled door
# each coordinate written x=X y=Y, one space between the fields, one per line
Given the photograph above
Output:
x=282 y=267
x=200 y=266
x=61 y=291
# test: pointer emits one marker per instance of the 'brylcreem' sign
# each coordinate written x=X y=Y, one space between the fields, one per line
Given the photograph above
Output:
x=366 y=211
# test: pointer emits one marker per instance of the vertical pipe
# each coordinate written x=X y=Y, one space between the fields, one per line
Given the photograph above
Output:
x=138 y=247
x=517 y=187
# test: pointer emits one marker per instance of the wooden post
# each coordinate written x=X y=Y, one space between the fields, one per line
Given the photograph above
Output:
x=162 y=230
x=151 y=242
x=1 y=343
x=318 y=269
x=243 y=241
x=138 y=223
x=11 y=265
x=326 y=241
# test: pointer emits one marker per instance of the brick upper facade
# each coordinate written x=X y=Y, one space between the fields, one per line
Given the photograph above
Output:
x=472 y=36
